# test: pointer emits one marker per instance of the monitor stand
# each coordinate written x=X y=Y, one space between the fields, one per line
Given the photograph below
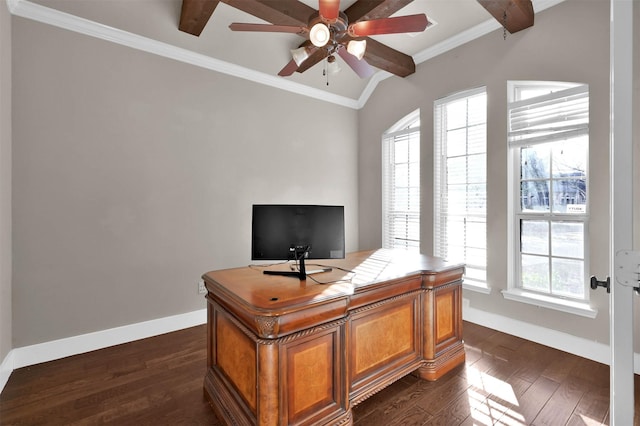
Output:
x=300 y=274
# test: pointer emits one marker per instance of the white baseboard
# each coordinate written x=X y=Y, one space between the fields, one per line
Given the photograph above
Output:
x=556 y=339
x=56 y=349
x=6 y=368
x=579 y=346
x=48 y=351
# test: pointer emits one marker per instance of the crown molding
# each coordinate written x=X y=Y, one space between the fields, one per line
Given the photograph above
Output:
x=46 y=15
x=449 y=44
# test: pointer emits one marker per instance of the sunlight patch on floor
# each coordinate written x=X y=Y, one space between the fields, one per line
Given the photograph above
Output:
x=588 y=421
x=498 y=409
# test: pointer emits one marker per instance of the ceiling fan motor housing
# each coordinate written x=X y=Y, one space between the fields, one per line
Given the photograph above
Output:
x=337 y=27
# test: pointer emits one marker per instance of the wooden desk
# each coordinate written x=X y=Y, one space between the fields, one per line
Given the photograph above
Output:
x=287 y=352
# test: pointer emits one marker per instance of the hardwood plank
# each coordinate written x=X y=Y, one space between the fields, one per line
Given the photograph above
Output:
x=505 y=381
x=562 y=403
x=531 y=402
x=593 y=407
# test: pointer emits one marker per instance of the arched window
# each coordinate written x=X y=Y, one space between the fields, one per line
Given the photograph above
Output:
x=401 y=184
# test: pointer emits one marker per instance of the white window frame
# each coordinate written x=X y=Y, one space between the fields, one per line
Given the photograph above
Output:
x=408 y=237
x=515 y=214
x=477 y=280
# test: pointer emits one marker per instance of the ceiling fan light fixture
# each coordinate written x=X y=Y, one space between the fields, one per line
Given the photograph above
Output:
x=299 y=55
x=319 y=34
x=332 y=65
x=357 y=48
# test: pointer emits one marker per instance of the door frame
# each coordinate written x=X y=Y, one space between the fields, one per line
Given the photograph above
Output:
x=621 y=224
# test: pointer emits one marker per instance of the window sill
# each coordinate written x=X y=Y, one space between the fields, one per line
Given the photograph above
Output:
x=563 y=305
x=475 y=287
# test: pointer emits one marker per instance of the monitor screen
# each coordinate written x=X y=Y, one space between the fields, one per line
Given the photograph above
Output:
x=278 y=231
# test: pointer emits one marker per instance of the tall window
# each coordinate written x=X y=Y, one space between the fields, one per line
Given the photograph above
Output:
x=460 y=182
x=401 y=184
x=548 y=145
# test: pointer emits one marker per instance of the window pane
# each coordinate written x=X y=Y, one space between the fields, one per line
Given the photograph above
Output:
x=414 y=200
x=456 y=114
x=477 y=233
x=457 y=199
x=456 y=170
x=568 y=277
x=534 y=195
x=477 y=139
x=535 y=162
x=534 y=236
x=414 y=174
x=535 y=273
x=475 y=274
x=477 y=168
x=477 y=199
x=401 y=174
x=570 y=196
x=567 y=239
x=476 y=256
x=455 y=230
x=414 y=147
x=456 y=142
x=570 y=158
x=477 y=109
x=401 y=199
x=401 y=151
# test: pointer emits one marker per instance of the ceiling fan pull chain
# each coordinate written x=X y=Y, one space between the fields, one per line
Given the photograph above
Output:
x=325 y=70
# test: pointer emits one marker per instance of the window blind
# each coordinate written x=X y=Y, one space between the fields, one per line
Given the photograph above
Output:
x=401 y=189
x=548 y=136
x=460 y=181
x=555 y=116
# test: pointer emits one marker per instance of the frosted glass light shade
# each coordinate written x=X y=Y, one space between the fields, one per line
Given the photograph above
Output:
x=334 y=67
x=299 y=55
x=319 y=34
x=357 y=48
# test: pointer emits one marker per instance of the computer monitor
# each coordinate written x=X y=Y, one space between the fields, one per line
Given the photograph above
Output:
x=297 y=232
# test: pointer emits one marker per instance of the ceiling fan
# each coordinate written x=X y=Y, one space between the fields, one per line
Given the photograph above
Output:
x=327 y=31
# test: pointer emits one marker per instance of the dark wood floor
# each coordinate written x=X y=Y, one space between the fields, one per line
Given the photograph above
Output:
x=158 y=381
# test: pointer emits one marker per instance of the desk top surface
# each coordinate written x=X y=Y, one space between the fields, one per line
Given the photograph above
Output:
x=355 y=273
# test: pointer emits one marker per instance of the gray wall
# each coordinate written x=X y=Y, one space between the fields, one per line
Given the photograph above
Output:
x=135 y=174
x=569 y=42
x=5 y=181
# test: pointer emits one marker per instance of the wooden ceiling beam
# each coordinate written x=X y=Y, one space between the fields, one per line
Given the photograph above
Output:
x=363 y=10
x=513 y=15
x=277 y=12
x=195 y=14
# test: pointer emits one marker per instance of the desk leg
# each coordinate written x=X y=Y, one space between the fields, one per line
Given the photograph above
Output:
x=443 y=345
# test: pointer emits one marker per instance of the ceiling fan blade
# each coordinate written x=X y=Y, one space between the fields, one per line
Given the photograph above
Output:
x=288 y=69
x=267 y=28
x=384 y=57
x=315 y=56
x=374 y=9
x=400 y=24
x=329 y=9
x=360 y=66
x=195 y=14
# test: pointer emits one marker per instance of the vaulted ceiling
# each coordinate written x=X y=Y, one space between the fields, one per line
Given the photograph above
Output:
x=152 y=25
